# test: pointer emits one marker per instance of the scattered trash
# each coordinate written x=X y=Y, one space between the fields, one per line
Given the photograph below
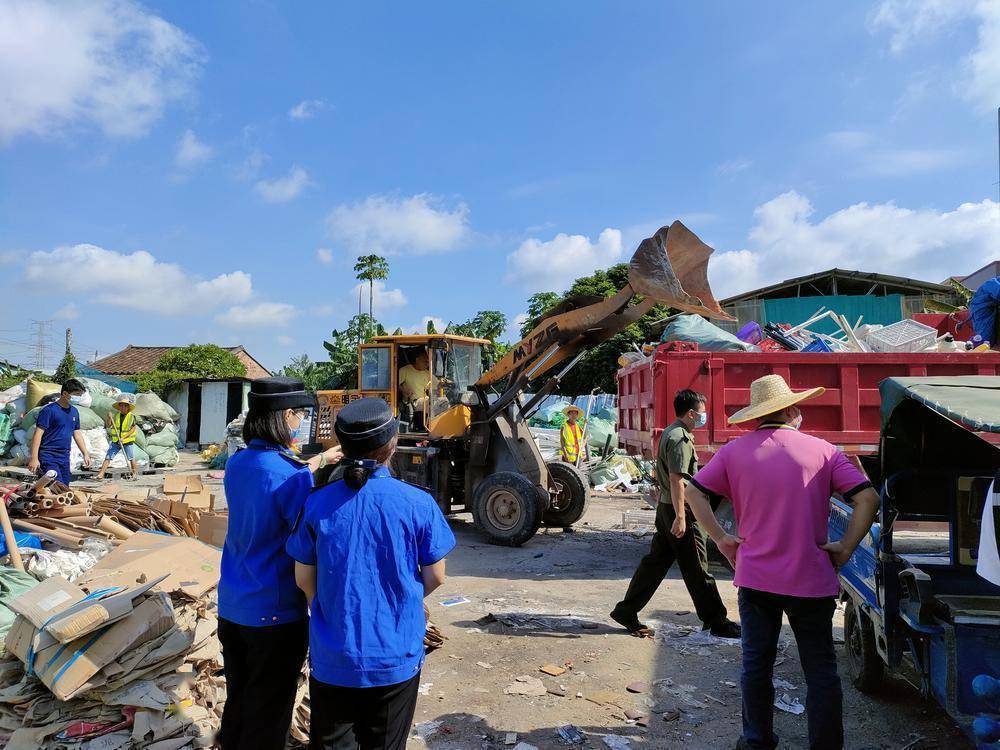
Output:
x=552 y=670
x=510 y=739
x=571 y=734
x=637 y=687
x=672 y=715
x=526 y=685
x=425 y=687
x=714 y=699
x=617 y=743
x=603 y=697
x=524 y=746
x=484 y=665
x=728 y=683
x=632 y=715
x=557 y=691
x=787 y=703
x=782 y=684
x=426 y=729
x=454 y=602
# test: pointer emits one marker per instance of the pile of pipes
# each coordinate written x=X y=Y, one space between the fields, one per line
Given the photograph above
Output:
x=45 y=493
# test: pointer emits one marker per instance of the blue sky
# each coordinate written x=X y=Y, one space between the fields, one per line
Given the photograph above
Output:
x=178 y=172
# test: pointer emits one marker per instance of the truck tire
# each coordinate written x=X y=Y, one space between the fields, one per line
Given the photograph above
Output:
x=507 y=508
x=570 y=504
x=864 y=665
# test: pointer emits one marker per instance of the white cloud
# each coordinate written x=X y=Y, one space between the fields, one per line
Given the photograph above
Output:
x=191 y=152
x=137 y=281
x=786 y=241
x=385 y=299
x=258 y=315
x=874 y=159
x=324 y=255
x=251 y=166
x=110 y=64
x=286 y=340
x=67 y=312
x=910 y=21
x=848 y=140
x=284 y=189
x=554 y=264
x=389 y=225
x=8 y=256
x=307 y=109
x=322 y=311
x=733 y=167
x=514 y=327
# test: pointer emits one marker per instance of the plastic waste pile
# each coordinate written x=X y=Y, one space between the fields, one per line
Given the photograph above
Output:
x=621 y=471
x=157 y=436
x=217 y=455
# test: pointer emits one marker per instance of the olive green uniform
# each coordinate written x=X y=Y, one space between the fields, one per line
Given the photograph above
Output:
x=676 y=455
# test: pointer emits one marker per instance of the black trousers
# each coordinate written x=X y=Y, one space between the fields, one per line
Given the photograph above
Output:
x=690 y=552
x=262 y=667
x=812 y=624
x=376 y=718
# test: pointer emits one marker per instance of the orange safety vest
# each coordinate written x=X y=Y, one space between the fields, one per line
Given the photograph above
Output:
x=570 y=439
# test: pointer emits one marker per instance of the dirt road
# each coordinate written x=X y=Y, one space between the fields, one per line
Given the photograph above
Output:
x=549 y=602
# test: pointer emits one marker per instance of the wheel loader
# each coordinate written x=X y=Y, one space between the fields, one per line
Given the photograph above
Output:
x=466 y=439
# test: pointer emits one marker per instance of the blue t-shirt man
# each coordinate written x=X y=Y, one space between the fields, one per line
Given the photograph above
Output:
x=368 y=545
x=266 y=488
x=57 y=424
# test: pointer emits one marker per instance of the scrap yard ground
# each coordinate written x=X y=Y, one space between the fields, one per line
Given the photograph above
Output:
x=549 y=602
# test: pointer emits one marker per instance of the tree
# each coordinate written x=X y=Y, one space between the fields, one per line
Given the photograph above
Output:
x=342 y=369
x=430 y=327
x=193 y=361
x=538 y=304
x=485 y=324
x=371 y=268
x=66 y=368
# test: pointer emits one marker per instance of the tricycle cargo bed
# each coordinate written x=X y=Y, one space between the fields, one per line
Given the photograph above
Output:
x=847 y=414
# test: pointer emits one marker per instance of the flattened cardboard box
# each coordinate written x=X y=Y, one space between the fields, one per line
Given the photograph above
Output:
x=176 y=484
x=65 y=668
x=212 y=528
x=192 y=567
x=51 y=596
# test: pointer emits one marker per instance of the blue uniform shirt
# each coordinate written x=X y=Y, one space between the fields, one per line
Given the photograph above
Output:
x=58 y=424
x=367 y=626
x=266 y=488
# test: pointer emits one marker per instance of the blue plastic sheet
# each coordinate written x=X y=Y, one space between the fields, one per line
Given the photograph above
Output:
x=983 y=310
x=22 y=539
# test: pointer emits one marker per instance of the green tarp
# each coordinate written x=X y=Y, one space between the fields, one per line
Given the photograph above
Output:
x=795 y=310
x=970 y=400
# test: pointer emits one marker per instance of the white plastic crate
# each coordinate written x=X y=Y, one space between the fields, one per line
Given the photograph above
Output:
x=904 y=336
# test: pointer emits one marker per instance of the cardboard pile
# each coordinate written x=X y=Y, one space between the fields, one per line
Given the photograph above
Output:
x=129 y=653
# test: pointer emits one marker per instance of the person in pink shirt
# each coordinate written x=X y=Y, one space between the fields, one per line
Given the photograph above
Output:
x=780 y=481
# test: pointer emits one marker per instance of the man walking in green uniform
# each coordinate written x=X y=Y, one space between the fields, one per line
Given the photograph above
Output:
x=678 y=536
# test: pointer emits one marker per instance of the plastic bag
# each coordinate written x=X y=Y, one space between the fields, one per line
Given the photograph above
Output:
x=167 y=437
x=598 y=431
x=37 y=389
x=708 y=336
x=151 y=405
x=71 y=565
x=6 y=428
x=161 y=456
x=101 y=405
x=28 y=420
x=983 y=310
x=88 y=419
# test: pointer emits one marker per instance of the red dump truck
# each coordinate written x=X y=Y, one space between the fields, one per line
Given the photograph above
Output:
x=847 y=414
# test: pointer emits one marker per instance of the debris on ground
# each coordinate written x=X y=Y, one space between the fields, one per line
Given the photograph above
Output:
x=616 y=742
x=571 y=734
x=787 y=703
x=526 y=685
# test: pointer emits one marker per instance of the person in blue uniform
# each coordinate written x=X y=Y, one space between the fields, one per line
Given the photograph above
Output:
x=263 y=622
x=368 y=549
x=57 y=424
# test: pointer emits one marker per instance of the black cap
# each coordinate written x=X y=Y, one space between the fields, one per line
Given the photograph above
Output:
x=274 y=394
x=364 y=425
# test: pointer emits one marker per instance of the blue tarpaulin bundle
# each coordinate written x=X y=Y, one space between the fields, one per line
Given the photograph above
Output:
x=23 y=540
x=983 y=310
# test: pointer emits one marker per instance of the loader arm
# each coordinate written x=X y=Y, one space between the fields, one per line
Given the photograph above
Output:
x=670 y=268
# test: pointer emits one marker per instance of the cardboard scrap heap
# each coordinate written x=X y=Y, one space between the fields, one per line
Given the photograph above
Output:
x=126 y=655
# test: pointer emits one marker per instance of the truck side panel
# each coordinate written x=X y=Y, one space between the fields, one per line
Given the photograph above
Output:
x=847 y=414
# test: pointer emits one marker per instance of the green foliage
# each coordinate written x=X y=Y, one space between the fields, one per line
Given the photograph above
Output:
x=371 y=268
x=486 y=324
x=430 y=327
x=194 y=361
x=342 y=369
x=66 y=369
x=538 y=305
x=315 y=375
x=204 y=361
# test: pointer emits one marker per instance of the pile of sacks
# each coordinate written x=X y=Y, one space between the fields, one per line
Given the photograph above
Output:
x=127 y=654
x=601 y=426
x=157 y=436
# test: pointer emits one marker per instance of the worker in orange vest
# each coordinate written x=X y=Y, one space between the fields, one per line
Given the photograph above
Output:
x=571 y=441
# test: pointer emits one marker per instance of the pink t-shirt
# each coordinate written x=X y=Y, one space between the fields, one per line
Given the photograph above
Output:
x=780 y=482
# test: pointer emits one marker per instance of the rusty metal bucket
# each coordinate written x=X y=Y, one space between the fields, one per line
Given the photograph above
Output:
x=671 y=267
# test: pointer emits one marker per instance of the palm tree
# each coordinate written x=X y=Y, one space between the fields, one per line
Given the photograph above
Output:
x=371 y=268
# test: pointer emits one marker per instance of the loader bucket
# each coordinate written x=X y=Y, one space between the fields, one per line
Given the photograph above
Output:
x=672 y=268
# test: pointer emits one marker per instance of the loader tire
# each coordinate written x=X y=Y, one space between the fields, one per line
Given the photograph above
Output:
x=864 y=666
x=507 y=509
x=570 y=504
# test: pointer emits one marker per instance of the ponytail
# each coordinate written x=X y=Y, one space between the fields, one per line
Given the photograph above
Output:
x=357 y=471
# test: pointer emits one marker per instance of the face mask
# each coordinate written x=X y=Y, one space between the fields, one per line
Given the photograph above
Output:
x=76 y=399
x=701 y=419
x=797 y=422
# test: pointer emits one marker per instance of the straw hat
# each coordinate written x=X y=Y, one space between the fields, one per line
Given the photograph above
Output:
x=570 y=408
x=768 y=395
x=124 y=399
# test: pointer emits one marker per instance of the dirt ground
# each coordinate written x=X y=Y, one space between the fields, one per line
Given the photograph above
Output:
x=550 y=600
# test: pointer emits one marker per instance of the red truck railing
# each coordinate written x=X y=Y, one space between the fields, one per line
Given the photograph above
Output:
x=847 y=414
